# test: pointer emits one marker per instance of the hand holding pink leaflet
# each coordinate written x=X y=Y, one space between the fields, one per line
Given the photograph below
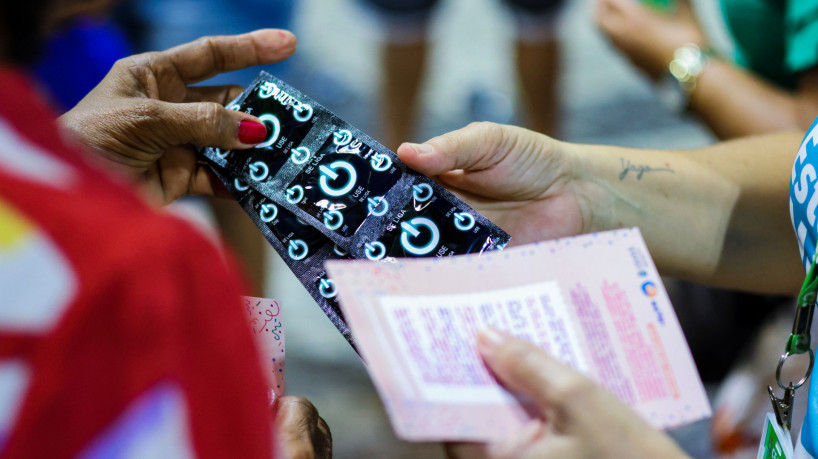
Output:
x=596 y=302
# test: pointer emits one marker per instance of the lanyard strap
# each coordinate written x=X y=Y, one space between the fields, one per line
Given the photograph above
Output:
x=799 y=340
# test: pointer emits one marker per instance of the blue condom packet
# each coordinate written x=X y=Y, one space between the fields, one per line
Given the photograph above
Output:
x=352 y=189
x=303 y=247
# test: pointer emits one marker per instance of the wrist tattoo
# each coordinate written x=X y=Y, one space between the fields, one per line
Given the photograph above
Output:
x=640 y=169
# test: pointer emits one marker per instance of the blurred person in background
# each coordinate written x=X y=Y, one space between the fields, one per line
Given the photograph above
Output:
x=770 y=85
x=406 y=48
x=121 y=329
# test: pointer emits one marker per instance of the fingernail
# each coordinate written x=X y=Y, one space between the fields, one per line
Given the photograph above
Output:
x=420 y=148
x=251 y=133
x=489 y=339
x=286 y=35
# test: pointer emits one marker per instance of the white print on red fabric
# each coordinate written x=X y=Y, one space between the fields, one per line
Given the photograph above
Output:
x=14 y=378
x=20 y=157
x=36 y=281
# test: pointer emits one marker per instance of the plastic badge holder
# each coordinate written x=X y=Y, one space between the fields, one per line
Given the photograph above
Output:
x=352 y=189
x=303 y=247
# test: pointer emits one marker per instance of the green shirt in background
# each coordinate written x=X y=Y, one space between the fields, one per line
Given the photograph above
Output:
x=774 y=38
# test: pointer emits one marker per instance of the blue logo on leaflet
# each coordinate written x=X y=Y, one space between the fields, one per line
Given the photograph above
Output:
x=333 y=219
x=259 y=171
x=413 y=233
x=326 y=287
x=268 y=212
x=422 y=192
x=378 y=206
x=649 y=289
x=298 y=249
x=332 y=173
x=341 y=137
x=300 y=155
x=463 y=221
x=295 y=194
x=375 y=250
x=380 y=162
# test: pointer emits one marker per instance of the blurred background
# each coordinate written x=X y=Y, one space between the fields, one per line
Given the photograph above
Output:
x=470 y=52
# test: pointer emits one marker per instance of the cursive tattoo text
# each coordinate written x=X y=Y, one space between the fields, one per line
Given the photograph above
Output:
x=640 y=169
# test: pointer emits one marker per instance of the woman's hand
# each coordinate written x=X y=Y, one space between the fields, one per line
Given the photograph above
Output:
x=522 y=181
x=577 y=418
x=648 y=37
x=144 y=118
x=300 y=431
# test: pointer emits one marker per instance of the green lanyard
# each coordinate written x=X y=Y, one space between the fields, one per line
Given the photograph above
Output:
x=797 y=343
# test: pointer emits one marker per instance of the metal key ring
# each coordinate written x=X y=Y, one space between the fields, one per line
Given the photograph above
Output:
x=800 y=382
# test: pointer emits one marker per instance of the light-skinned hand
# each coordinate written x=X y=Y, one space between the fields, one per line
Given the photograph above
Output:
x=646 y=36
x=576 y=418
x=523 y=181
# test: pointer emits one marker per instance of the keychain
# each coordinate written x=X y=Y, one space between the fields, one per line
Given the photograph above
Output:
x=776 y=439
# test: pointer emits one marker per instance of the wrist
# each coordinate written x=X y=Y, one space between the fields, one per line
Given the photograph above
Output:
x=588 y=183
x=682 y=74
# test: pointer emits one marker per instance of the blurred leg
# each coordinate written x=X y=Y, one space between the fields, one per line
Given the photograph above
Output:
x=403 y=59
x=538 y=69
x=244 y=238
x=403 y=67
x=538 y=61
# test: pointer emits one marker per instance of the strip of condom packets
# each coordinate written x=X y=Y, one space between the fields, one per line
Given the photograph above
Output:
x=303 y=248
x=341 y=193
x=351 y=188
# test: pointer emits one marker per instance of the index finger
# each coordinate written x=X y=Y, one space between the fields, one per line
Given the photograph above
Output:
x=210 y=56
x=471 y=148
x=529 y=370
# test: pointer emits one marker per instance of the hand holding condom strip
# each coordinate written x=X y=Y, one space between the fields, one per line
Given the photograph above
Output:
x=348 y=187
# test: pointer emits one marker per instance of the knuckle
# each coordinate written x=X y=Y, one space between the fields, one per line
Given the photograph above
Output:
x=209 y=114
x=143 y=61
x=302 y=404
x=489 y=134
x=484 y=127
x=572 y=388
x=144 y=111
x=211 y=44
x=123 y=64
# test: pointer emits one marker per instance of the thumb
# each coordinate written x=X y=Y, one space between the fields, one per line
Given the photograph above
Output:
x=209 y=124
x=471 y=148
x=529 y=370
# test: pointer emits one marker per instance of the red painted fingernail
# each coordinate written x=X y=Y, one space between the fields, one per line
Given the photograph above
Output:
x=251 y=133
